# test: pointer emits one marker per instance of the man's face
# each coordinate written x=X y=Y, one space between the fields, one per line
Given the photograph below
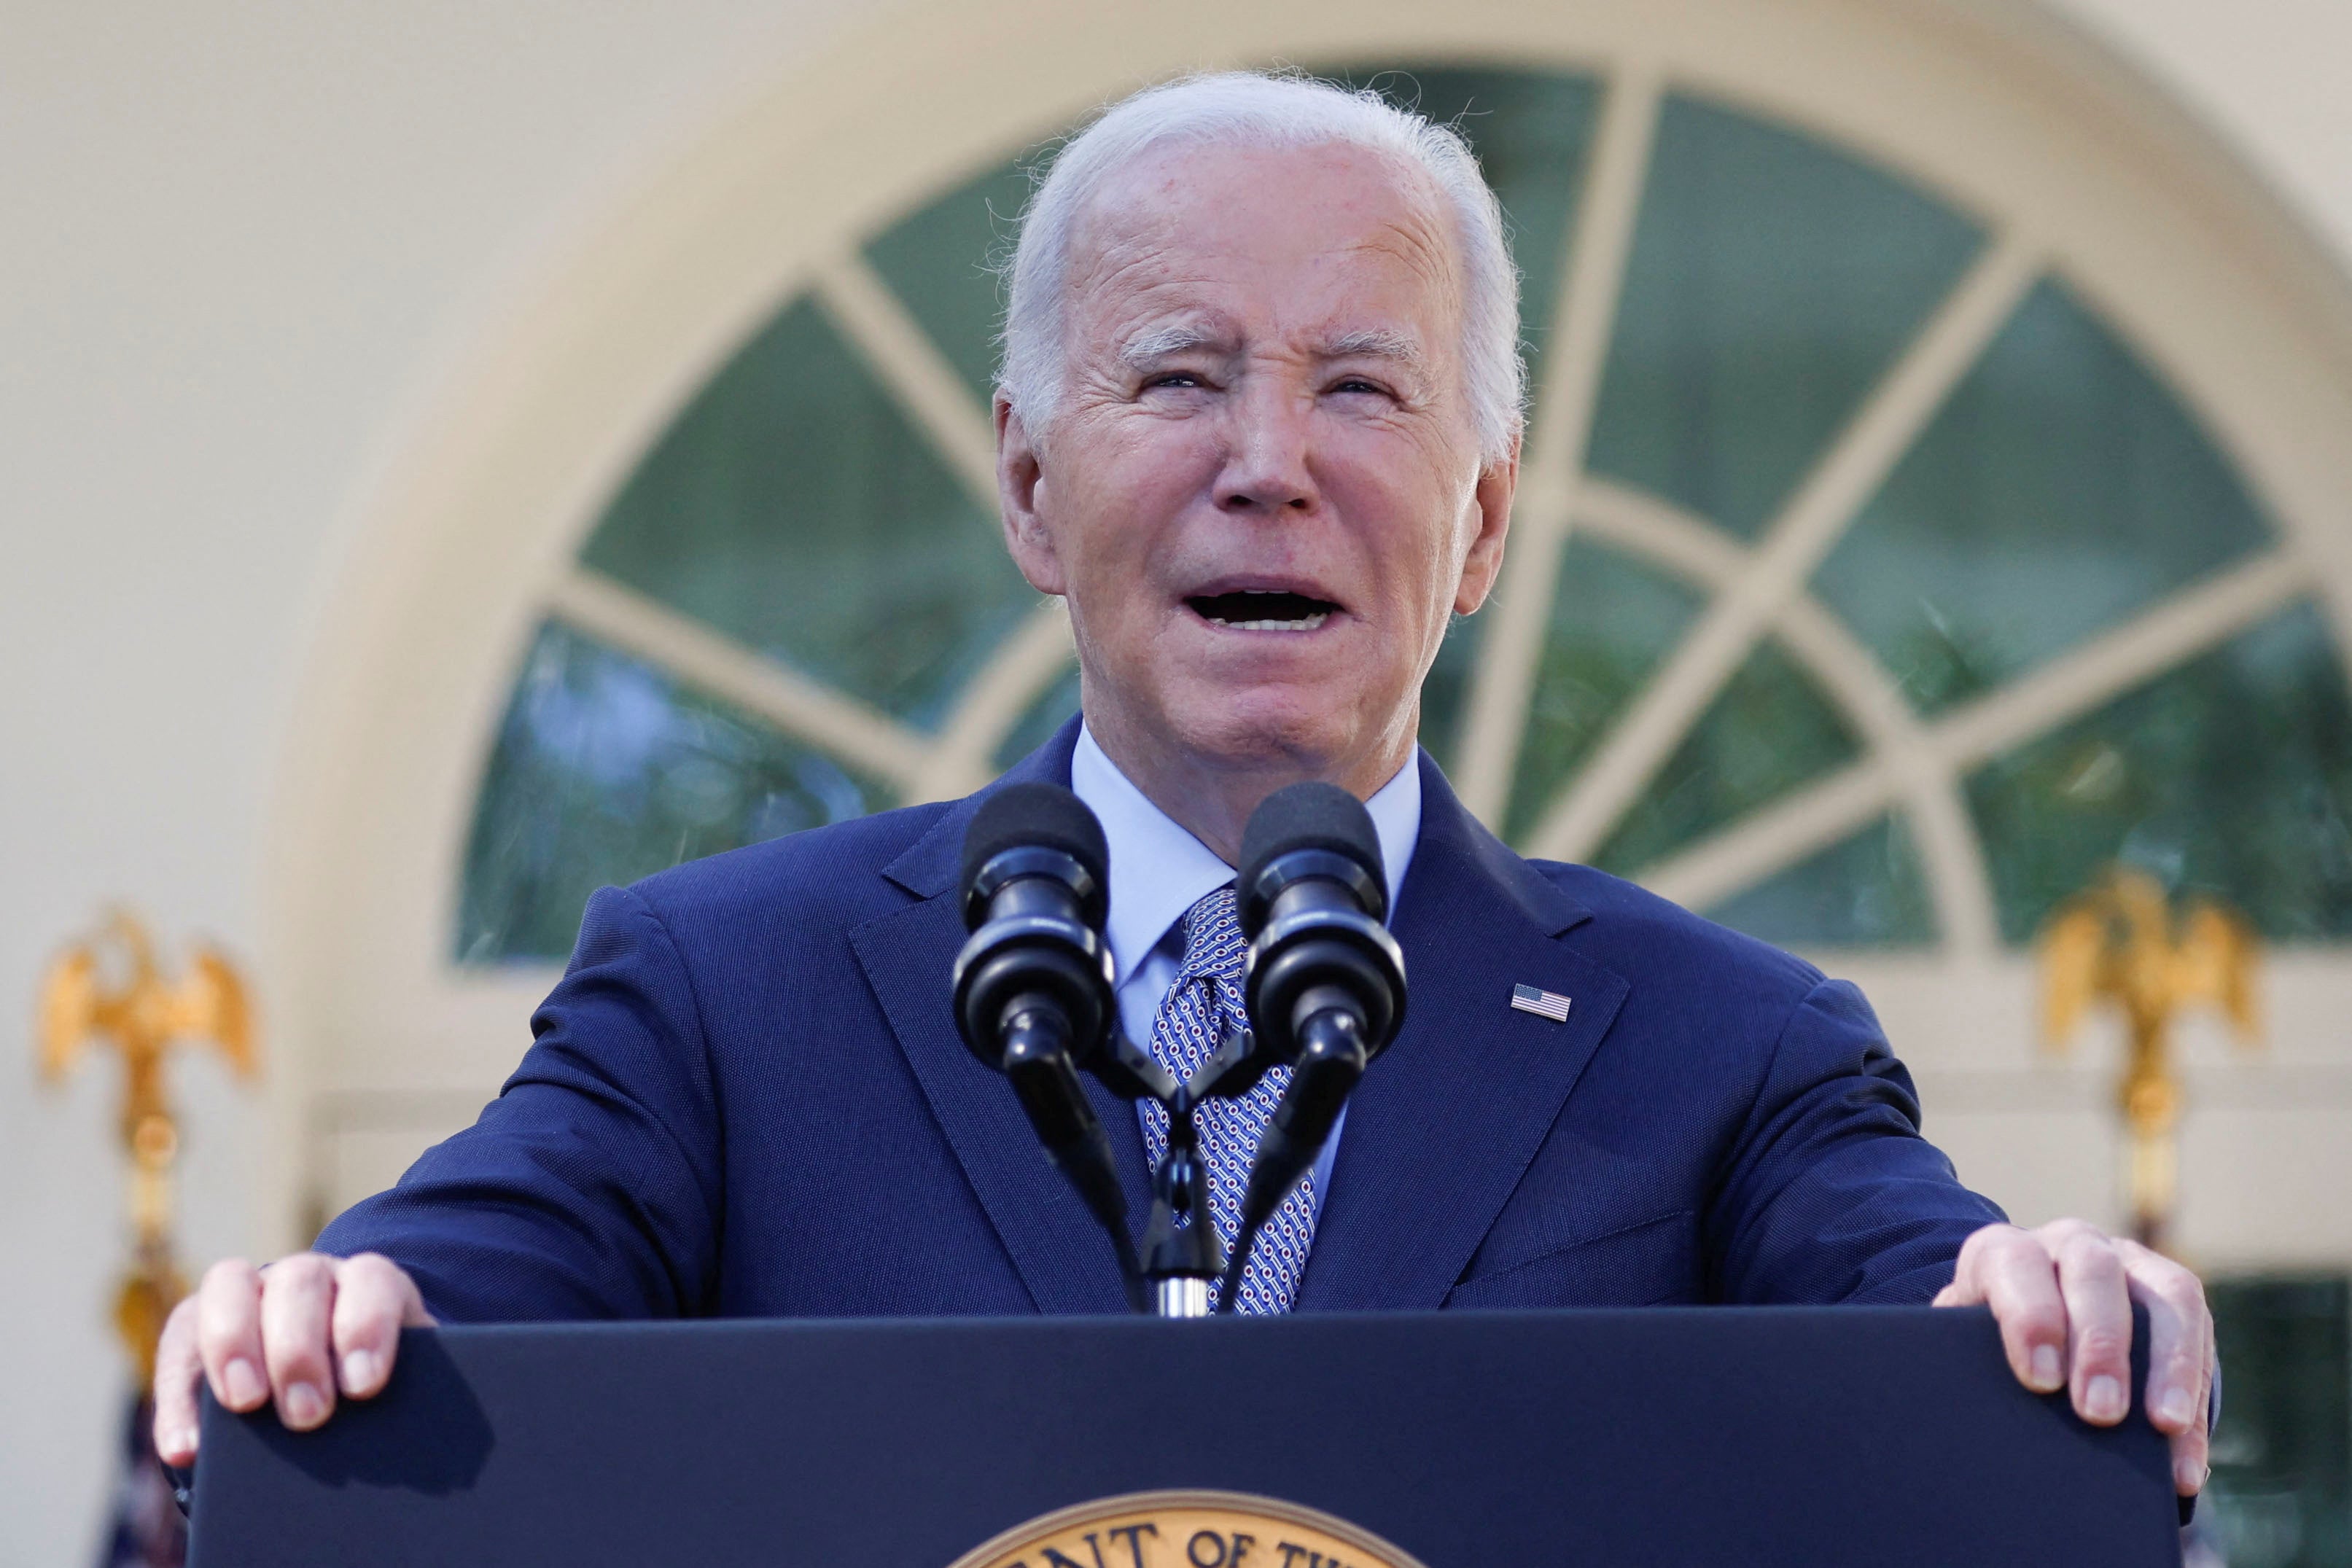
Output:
x=1262 y=496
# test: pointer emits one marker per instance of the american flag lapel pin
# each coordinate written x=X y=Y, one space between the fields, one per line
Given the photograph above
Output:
x=1543 y=1004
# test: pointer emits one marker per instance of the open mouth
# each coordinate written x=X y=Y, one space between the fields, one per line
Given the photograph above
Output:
x=1269 y=610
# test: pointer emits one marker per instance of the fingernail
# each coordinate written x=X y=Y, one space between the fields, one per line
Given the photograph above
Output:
x=2176 y=1407
x=2046 y=1376
x=2189 y=1475
x=359 y=1371
x=302 y=1407
x=2103 y=1399
x=246 y=1388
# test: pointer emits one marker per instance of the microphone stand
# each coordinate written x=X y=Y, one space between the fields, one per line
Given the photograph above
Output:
x=1181 y=1254
x=1184 y=1268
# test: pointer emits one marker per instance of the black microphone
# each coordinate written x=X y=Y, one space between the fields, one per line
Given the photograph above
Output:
x=1325 y=980
x=1034 y=995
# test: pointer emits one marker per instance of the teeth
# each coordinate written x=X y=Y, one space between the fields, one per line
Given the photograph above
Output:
x=1305 y=623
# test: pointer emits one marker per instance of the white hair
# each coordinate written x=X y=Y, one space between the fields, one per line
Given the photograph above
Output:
x=1256 y=110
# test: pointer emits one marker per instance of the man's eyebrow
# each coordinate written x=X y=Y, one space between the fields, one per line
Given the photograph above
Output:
x=1378 y=344
x=1159 y=342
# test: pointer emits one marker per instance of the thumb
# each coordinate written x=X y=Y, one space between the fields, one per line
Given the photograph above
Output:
x=177 y=1367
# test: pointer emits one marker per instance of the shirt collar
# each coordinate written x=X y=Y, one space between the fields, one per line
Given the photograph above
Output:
x=1158 y=870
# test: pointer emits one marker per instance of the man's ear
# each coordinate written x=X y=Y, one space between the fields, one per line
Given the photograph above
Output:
x=1482 y=562
x=1020 y=484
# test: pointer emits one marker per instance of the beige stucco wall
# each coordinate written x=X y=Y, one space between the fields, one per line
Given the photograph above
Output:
x=2265 y=78
x=244 y=249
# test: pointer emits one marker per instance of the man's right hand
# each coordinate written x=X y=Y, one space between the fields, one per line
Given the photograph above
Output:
x=297 y=1331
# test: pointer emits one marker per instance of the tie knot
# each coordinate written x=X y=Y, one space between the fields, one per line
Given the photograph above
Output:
x=1213 y=938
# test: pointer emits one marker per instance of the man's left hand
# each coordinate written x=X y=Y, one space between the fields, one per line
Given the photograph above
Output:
x=2063 y=1295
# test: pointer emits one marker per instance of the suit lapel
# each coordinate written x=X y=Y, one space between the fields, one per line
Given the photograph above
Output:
x=1445 y=1122
x=1055 y=1244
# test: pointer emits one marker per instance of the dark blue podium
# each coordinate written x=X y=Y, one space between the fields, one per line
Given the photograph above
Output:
x=1815 y=1436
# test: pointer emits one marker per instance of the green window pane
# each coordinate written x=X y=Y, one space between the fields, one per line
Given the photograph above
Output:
x=1772 y=282
x=2230 y=775
x=605 y=772
x=939 y=260
x=1531 y=132
x=1865 y=891
x=792 y=506
x=1054 y=706
x=1445 y=690
x=2060 y=489
x=1612 y=620
x=1770 y=731
x=2280 y=1495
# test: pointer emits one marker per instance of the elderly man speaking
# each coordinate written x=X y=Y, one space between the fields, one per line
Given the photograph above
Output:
x=1258 y=426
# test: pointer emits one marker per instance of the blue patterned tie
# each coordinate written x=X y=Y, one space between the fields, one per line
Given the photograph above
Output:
x=1201 y=1010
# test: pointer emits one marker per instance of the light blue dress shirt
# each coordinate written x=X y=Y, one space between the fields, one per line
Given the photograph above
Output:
x=1157 y=871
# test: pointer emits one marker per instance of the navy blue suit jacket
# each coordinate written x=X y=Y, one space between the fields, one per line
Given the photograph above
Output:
x=746 y=1096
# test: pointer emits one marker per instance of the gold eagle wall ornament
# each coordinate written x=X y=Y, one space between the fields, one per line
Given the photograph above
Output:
x=109 y=990
x=2121 y=943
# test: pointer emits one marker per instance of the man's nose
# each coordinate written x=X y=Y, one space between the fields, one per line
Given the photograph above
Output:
x=1267 y=467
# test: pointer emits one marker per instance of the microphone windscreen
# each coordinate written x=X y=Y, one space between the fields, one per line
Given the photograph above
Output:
x=1312 y=815
x=1035 y=813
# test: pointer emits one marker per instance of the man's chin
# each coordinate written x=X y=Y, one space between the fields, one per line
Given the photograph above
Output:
x=1252 y=728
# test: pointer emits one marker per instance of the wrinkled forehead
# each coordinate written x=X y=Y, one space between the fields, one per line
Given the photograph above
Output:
x=1226 y=226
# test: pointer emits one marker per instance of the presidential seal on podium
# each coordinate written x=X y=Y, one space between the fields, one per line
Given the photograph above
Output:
x=1187 y=1530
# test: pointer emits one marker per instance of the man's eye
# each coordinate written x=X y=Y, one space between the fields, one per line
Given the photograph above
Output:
x=1359 y=384
x=1173 y=379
